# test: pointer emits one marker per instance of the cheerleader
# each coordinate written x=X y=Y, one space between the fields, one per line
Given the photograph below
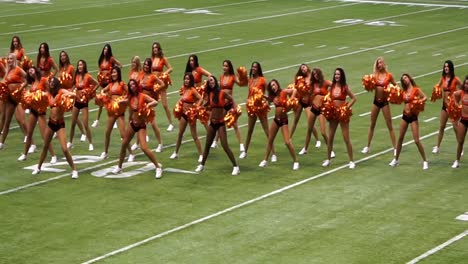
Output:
x=279 y=98
x=137 y=102
x=56 y=125
x=339 y=91
x=45 y=63
x=217 y=100
x=413 y=97
x=189 y=100
x=461 y=99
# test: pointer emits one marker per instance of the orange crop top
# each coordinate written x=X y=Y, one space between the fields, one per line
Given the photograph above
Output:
x=383 y=82
x=41 y=85
x=453 y=86
x=15 y=76
x=107 y=65
x=281 y=99
x=46 y=65
x=227 y=82
x=323 y=90
x=82 y=83
x=117 y=88
x=341 y=96
x=188 y=95
x=221 y=100
x=19 y=54
x=148 y=82
x=409 y=97
x=259 y=83
x=160 y=66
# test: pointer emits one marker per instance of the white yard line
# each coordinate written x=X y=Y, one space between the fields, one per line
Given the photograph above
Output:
x=405 y=3
x=232 y=208
x=439 y=247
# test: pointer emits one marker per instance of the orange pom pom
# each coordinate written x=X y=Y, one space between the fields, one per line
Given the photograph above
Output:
x=242 y=76
x=148 y=113
x=202 y=89
x=192 y=114
x=26 y=63
x=291 y=103
x=417 y=106
x=66 y=80
x=203 y=114
x=17 y=95
x=117 y=106
x=166 y=78
x=395 y=95
x=101 y=100
x=4 y=92
x=453 y=111
x=436 y=93
x=256 y=103
x=103 y=78
x=178 y=110
x=368 y=82
x=344 y=113
x=328 y=108
x=232 y=116
x=66 y=102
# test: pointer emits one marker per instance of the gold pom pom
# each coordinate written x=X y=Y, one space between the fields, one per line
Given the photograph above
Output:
x=178 y=110
x=328 y=108
x=395 y=94
x=242 y=76
x=436 y=93
x=232 y=116
x=453 y=111
x=117 y=106
x=368 y=82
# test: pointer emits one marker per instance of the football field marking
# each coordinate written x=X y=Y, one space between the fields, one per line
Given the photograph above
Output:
x=405 y=3
x=259 y=198
x=439 y=247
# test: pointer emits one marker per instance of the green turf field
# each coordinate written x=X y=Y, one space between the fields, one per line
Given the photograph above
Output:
x=372 y=214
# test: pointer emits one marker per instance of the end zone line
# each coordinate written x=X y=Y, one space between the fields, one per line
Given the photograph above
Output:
x=438 y=248
x=232 y=208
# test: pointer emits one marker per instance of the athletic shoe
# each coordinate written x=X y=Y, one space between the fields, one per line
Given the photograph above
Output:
x=425 y=165
x=456 y=164
x=36 y=171
x=199 y=168
x=332 y=154
x=200 y=158
x=131 y=158
x=134 y=147
x=69 y=145
x=263 y=163
x=326 y=163
x=274 y=158
x=83 y=138
x=158 y=173
x=95 y=123
x=214 y=145
x=159 y=148
x=303 y=151
x=22 y=157
x=318 y=144
x=241 y=148
x=170 y=128
x=53 y=160
x=352 y=165
x=147 y=138
x=242 y=155
x=235 y=171
x=365 y=150
x=2 y=145
x=174 y=155
x=32 y=149
x=295 y=165
x=104 y=155
x=74 y=174
x=435 y=150
x=91 y=147
x=393 y=163
x=114 y=126
x=116 y=170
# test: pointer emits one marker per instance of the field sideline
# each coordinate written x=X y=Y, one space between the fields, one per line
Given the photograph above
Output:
x=372 y=214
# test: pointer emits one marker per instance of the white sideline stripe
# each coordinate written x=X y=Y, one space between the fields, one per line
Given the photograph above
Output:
x=439 y=247
x=403 y=3
x=365 y=114
x=430 y=119
x=235 y=40
x=232 y=208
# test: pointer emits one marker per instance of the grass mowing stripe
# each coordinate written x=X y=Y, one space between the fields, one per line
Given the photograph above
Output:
x=404 y=3
x=439 y=247
x=118 y=19
x=259 y=198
